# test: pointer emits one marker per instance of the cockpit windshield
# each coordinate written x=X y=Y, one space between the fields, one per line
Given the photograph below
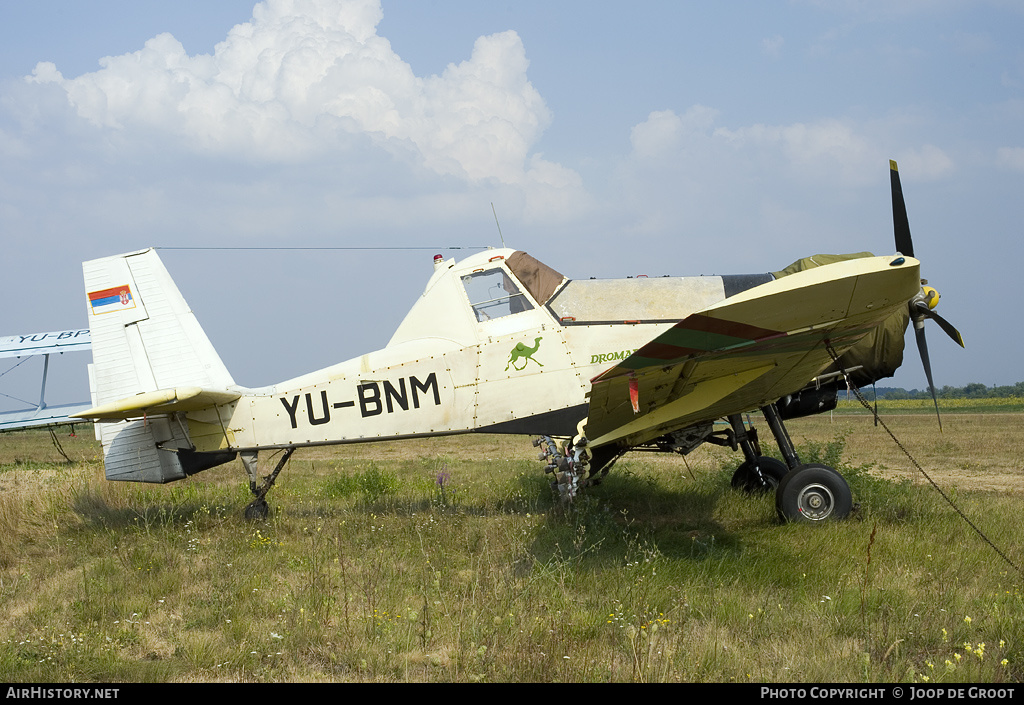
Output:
x=494 y=294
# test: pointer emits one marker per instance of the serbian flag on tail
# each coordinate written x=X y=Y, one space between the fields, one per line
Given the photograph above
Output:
x=114 y=299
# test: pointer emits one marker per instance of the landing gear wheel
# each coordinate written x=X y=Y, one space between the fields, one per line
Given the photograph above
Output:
x=813 y=493
x=257 y=510
x=747 y=480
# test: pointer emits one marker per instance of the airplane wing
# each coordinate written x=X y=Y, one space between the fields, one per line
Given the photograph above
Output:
x=45 y=416
x=747 y=351
x=45 y=343
x=55 y=342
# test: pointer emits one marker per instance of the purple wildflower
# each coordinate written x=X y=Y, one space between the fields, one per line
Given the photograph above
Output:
x=443 y=480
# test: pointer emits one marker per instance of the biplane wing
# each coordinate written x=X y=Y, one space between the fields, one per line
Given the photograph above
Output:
x=45 y=344
x=43 y=416
x=747 y=351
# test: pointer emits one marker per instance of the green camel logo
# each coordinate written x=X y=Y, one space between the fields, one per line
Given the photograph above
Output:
x=524 y=353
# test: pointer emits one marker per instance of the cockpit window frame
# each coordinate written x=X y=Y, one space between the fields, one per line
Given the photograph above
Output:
x=490 y=306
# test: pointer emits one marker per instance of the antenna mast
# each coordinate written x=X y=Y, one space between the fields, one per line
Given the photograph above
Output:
x=498 y=224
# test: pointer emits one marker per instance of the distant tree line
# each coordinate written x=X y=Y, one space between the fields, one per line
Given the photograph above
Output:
x=974 y=390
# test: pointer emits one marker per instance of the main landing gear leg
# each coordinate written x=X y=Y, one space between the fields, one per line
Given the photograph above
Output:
x=567 y=462
x=258 y=509
x=758 y=473
x=808 y=492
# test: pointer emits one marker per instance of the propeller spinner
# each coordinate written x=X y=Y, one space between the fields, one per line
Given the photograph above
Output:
x=921 y=306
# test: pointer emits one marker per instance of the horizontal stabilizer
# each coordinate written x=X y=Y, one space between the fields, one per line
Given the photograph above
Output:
x=162 y=401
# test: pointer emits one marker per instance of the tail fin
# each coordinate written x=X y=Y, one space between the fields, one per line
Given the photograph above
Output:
x=145 y=340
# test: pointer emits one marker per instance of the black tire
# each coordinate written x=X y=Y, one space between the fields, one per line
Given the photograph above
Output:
x=813 y=493
x=747 y=480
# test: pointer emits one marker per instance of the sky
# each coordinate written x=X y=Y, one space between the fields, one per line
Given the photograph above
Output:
x=610 y=138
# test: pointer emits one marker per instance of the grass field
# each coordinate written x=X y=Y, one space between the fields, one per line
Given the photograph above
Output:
x=449 y=560
x=1012 y=405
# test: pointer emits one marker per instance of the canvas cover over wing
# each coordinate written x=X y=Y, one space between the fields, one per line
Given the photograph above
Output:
x=805 y=263
x=749 y=350
x=880 y=353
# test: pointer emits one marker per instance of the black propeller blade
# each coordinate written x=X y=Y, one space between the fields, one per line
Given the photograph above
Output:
x=922 y=347
x=901 y=226
x=920 y=308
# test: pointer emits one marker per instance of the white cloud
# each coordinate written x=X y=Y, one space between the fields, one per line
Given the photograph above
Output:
x=1010 y=158
x=11 y=146
x=798 y=186
x=848 y=152
x=554 y=193
x=926 y=163
x=664 y=132
x=660 y=132
x=303 y=77
x=814 y=148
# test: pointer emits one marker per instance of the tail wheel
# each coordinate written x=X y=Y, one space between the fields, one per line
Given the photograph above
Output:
x=257 y=510
x=747 y=479
x=813 y=493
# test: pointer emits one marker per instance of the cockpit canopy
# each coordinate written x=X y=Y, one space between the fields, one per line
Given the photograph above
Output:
x=493 y=292
x=497 y=284
x=500 y=292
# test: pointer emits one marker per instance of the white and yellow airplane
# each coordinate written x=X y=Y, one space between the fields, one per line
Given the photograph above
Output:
x=501 y=343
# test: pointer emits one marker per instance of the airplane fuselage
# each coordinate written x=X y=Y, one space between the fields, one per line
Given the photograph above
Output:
x=531 y=380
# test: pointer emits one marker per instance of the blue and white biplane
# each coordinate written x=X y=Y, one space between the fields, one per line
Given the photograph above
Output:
x=50 y=344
